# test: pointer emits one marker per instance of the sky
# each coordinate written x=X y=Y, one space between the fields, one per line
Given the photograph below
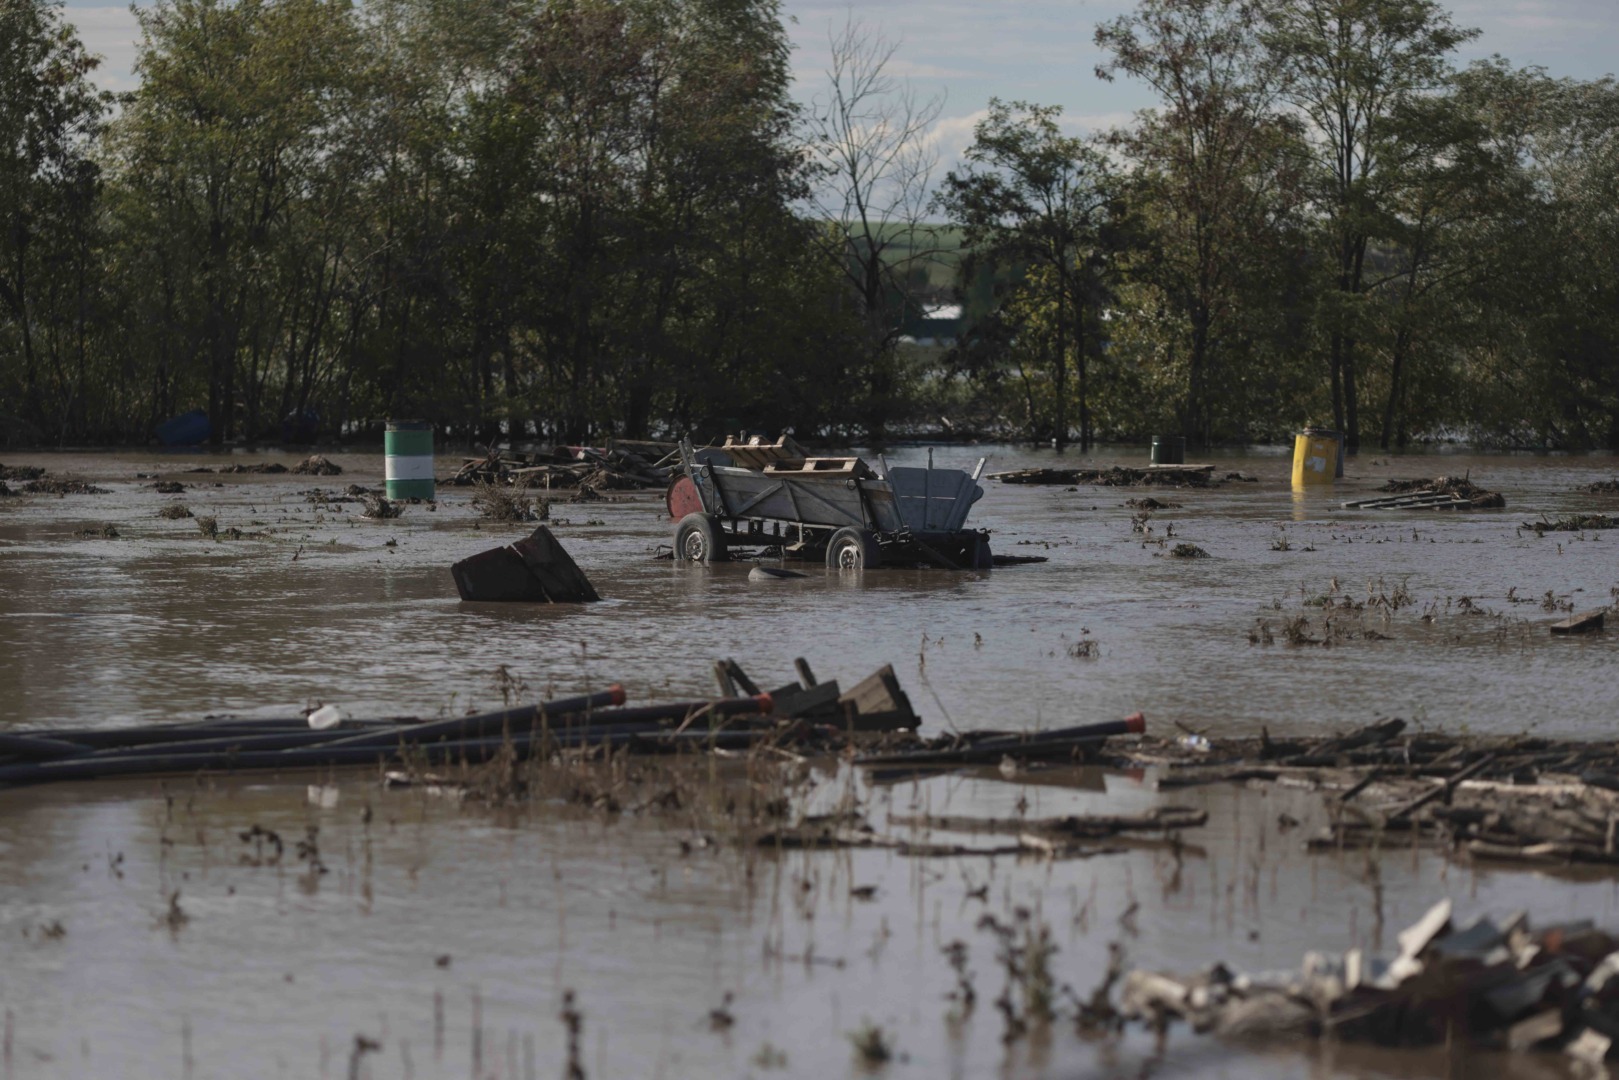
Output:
x=1036 y=50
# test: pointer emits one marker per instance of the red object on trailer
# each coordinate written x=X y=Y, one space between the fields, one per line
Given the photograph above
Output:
x=682 y=497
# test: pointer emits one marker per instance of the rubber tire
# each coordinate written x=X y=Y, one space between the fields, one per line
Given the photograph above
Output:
x=699 y=539
x=853 y=549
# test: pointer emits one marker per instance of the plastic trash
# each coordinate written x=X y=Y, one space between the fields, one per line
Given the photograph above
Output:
x=327 y=716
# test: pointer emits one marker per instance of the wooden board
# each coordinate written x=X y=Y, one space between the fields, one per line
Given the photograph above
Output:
x=879 y=694
x=794 y=701
x=1586 y=622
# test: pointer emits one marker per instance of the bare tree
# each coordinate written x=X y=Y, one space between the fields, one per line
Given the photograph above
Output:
x=868 y=135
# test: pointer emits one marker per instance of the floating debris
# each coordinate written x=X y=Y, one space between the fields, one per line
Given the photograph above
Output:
x=61 y=487
x=316 y=465
x=21 y=472
x=773 y=573
x=100 y=532
x=1602 y=487
x=1440 y=493
x=1496 y=985
x=1587 y=622
x=168 y=487
x=378 y=506
x=1117 y=476
x=1188 y=551
x=501 y=502
x=1572 y=523
x=619 y=466
x=269 y=467
x=536 y=570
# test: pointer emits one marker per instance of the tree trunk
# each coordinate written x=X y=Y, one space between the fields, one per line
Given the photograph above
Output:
x=1335 y=368
x=1351 y=401
x=1392 y=408
x=1197 y=422
x=1059 y=371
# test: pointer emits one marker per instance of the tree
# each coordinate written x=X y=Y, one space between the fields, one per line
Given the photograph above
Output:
x=49 y=115
x=1543 y=369
x=1036 y=198
x=1351 y=67
x=868 y=135
x=241 y=187
x=1211 y=177
x=1441 y=228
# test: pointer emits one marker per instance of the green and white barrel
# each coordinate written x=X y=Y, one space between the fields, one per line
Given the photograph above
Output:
x=407 y=446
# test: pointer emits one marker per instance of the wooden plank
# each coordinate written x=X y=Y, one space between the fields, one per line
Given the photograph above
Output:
x=806 y=677
x=892 y=720
x=878 y=693
x=723 y=681
x=794 y=701
x=740 y=677
x=1586 y=622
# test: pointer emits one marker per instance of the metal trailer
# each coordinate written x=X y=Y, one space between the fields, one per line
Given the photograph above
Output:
x=838 y=508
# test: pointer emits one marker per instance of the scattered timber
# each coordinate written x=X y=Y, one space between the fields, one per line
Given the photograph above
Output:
x=1523 y=799
x=806 y=717
x=1491 y=985
x=1440 y=493
x=620 y=466
x=1075 y=744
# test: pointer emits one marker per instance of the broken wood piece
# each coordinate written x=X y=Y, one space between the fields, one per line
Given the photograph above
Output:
x=794 y=701
x=1071 y=826
x=1585 y=622
x=740 y=677
x=879 y=694
x=1443 y=789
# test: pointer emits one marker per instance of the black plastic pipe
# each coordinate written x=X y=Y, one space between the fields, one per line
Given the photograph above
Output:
x=97 y=766
x=490 y=723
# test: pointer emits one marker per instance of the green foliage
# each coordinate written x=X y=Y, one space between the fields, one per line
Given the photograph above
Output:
x=49 y=114
x=1033 y=197
x=574 y=218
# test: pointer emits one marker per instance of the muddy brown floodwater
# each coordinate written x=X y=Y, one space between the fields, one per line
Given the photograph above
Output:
x=141 y=936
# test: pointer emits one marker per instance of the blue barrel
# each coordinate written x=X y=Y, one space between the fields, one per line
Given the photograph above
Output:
x=407 y=447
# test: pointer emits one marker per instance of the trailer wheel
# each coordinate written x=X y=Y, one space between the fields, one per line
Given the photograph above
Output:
x=853 y=549
x=699 y=539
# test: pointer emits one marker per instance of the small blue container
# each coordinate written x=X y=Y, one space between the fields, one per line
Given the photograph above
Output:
x=187 y=429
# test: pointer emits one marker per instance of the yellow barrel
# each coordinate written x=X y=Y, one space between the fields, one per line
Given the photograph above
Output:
x=1315 y=457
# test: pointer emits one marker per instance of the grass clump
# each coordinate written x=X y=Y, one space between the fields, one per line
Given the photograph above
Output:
x=498 y=502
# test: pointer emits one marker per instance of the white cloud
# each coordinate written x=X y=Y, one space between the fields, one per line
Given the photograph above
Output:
x=111 y=33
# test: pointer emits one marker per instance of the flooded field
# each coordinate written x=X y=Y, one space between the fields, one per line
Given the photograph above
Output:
x=142 y=935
